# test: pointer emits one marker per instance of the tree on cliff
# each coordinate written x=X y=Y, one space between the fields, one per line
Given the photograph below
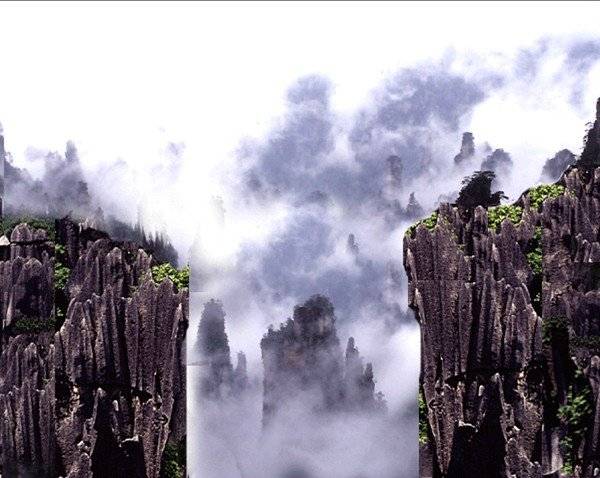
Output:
x=477 y=191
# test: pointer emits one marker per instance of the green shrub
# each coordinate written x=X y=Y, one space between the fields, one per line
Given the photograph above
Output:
x=534 y=259
x=423 y=421
x=61 y=275
x=173 y=460
x=539 y=194
x=576 y=414
x=429 y=222
x=497 y=214
x=179 y=277
x=59 y=250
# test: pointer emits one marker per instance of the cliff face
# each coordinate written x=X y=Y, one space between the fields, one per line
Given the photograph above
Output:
x=508 y=300
x=92 y=377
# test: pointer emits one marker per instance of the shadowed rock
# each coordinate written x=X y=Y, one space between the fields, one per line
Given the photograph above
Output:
x=506 y=343
x=467 y=148
x=556 y=165
x=92 y=377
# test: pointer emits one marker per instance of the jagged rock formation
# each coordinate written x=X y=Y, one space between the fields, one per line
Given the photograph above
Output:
x=510 y=327
x=467 y=148
x=395 y=172
x=499 y=161
x=62 y=189
x=414 y=210
x=554 y=166
x=2 y=160
x=591 y=151
x=219 y=379
x=352 y=245
x=304 y=359
x=92 y=377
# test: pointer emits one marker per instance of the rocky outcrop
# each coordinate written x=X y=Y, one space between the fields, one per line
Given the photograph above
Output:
x=303 y=361
x=2 y=160
x=414 y=210
x=510 y=331
x=467 y=148
x=555 y=166
x=92 y=377
x=27 y=354
x=218 y=378
x=591 y=151
x=499 y=161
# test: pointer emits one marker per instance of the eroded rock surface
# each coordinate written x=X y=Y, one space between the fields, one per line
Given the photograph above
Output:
x=92 y=376
x=510 y=329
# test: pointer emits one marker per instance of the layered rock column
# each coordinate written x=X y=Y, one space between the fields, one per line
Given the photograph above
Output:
x=92 y=372
x=508 y=351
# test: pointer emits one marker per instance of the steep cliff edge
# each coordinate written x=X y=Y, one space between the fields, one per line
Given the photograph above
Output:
x=92 y=376
x=508 y=299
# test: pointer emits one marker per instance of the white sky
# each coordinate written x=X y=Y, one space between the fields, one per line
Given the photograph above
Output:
x=110 y=76
x=122 y=79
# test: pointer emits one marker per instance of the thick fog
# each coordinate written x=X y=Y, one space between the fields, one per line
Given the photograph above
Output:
x=335 y=190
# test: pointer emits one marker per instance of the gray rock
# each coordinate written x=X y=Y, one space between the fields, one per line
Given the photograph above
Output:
x=104 y=393
x=494 y=367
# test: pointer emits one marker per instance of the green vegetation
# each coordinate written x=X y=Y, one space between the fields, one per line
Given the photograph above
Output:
x=576 y=414
x=179 y=277
x=61 y=275
x=539 y=194
x=8 y=223
x=497 y=214
x=423 y=426
x=429 y=222
x=534 y=257
x=554 y=328
x=32 y=325
x=173 y=460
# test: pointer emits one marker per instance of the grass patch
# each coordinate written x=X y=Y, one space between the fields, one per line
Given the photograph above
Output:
x=179 y=277
x=539 y=194
x=497 y=214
